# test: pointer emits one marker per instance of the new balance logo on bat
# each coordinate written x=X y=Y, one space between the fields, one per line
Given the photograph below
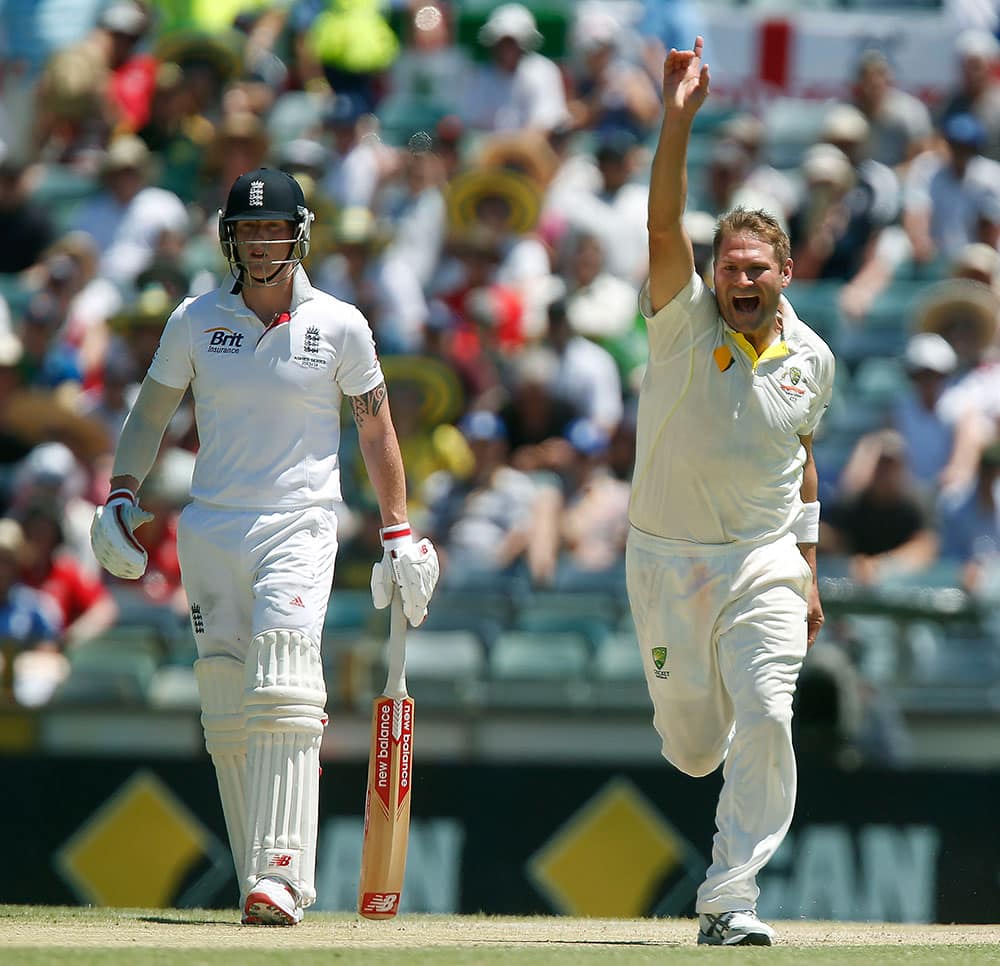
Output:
x=380 y=902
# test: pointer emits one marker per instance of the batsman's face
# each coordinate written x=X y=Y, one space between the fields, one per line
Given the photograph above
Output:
x=748 y=284
x=261 y=245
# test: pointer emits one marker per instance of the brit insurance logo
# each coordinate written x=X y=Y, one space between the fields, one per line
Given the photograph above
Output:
x=224 y=339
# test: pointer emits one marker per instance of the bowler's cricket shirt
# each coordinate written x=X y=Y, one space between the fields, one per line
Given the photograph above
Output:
x=718 y=454
x=267 y=397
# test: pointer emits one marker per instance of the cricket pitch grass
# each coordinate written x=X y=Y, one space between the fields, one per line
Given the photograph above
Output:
x=43 y=935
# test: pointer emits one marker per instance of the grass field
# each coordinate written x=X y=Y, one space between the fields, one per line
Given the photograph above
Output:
x=43 y=935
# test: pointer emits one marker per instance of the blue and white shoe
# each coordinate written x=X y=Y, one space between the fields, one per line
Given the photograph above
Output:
x=739 y=928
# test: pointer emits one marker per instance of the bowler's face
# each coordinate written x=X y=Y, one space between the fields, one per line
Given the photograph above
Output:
x=749 y=282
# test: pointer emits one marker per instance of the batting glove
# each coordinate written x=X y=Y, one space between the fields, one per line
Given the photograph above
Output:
x=412 y=567
x=112 y=535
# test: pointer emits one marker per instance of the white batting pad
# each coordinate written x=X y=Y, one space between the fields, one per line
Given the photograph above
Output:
x=284 y=701
x=220 y=684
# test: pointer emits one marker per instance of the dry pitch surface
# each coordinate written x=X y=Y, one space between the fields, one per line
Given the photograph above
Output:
x=32 y=935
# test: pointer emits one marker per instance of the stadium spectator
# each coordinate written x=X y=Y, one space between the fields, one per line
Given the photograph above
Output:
x=587 y=375
x=26 y=227
x=47 y=361
x=358 y=159
x=750 y=133
x=518 y=87
x=605 y=196
x=900 y=126
x=485 y=525
x=128 y=216
x=86 y=606
x=386 y=289
x=878 y=520
x=599 y=305
x=593 y=524
x=954 y=199
x=29 y=621
x=968 y=525
x=608 y=88
x=978 y=89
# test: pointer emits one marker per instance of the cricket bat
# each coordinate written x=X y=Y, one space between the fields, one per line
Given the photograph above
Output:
x=390 y=773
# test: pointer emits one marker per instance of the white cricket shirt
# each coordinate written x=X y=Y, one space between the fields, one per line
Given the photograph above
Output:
x=267 y=403
x=718 y=455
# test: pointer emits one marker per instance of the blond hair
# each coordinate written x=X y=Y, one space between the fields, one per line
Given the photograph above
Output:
x=758 y=223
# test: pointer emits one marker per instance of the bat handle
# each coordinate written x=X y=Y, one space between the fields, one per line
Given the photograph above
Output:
x=395 y=682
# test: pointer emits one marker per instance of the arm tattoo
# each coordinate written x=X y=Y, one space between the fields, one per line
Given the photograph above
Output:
x=368 y=404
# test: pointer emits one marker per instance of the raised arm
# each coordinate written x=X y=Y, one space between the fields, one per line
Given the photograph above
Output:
x=671 y=261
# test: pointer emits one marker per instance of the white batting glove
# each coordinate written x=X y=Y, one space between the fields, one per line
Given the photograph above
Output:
x=112 y=535
x=412 y=567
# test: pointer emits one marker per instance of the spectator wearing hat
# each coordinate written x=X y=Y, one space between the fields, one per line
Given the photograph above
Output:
x=952 y=200
x=427 y=75
x=899 y=124
x=519 y=87
x=842 y=231
x=608 y=89
x=977 y=262
x=502 y=205
x=121 y=28
x=129 y=217
x=932 y=456
x=978 y=89
x=239 y=143
x=878 y=520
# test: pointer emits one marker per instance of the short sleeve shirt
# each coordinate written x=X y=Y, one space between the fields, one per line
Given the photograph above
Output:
x=718 y=454
x=267 y=398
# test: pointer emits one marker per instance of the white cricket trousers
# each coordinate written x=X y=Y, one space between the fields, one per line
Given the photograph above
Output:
x=248 y=572
x=732 y=622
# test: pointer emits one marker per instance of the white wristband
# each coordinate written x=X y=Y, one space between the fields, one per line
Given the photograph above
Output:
x=397 y=535
x=806 y=526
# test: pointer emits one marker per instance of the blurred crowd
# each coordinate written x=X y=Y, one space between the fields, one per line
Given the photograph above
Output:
x=479 y=182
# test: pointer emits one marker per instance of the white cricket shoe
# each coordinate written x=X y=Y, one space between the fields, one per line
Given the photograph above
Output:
x=271 y=902
x=740 y=928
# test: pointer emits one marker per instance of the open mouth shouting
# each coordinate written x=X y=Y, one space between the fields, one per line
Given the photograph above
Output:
x=745 y=306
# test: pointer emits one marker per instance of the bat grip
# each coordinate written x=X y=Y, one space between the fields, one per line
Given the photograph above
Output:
x=395 y=682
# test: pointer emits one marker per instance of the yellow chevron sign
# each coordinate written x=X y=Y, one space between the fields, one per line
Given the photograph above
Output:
x=137 y=849
x=611 y=858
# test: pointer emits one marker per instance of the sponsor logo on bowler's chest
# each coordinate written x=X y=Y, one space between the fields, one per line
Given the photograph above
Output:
x=224 y=339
